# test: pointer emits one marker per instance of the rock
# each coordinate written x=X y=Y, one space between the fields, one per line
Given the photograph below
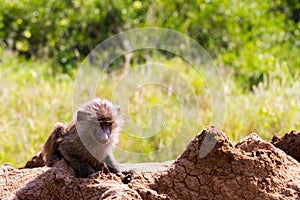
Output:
x=209 y=168
x=289 y=143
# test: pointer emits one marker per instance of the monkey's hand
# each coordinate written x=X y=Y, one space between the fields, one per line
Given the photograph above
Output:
x=101 y=169
x=126 y=176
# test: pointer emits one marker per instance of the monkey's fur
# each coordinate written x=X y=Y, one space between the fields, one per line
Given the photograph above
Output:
x=86 y=143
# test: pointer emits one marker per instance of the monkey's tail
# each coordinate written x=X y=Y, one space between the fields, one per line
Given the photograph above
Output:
x=50 y=151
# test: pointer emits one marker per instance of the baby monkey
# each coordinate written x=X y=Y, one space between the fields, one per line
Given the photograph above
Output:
x=86 y=143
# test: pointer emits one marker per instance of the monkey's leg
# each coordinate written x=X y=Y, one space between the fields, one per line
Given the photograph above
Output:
x=84 y=170
x=50 y=151
x=81 y=167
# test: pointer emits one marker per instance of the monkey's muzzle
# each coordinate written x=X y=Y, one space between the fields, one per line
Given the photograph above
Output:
x=102 y=136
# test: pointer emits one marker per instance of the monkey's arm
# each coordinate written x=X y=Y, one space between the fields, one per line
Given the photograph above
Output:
x=76 y=155
x=50 y=150
x=112 y=163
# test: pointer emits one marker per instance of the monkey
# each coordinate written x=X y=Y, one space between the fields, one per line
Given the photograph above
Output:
x=86 y=143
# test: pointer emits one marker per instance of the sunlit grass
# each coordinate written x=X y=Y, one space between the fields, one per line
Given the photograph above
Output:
x=33 y=99
x=31 y=102
x=266 y=112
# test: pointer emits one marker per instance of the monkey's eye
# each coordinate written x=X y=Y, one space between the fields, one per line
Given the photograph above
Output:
x=105 y=121
x=102 y=120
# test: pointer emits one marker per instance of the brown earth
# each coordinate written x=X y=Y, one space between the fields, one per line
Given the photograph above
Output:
x=252 y=169
x=289 y=143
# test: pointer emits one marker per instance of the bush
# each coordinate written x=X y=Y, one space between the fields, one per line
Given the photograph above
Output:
x=253 y=39
x=250 y=38
x=64 y=30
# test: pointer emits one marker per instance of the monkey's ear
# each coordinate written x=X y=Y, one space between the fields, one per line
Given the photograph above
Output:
x=117 y=109
x=81 y=115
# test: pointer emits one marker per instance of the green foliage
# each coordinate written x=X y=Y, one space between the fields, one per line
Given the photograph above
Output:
x=248 y=37
x=64 y=30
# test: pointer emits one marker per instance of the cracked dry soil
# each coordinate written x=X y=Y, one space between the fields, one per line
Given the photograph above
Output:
x=252 y=169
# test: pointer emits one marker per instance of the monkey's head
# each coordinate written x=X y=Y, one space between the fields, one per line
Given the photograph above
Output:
x=100 y=119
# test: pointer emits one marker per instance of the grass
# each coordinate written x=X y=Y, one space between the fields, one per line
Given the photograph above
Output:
x=33 y=99
x=31 y=103
x=266 y=111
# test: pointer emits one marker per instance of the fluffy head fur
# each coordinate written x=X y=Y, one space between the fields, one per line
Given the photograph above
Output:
x=95 y=115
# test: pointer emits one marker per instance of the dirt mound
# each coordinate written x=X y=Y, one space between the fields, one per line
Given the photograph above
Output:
x=289 y=143
x=253 y=169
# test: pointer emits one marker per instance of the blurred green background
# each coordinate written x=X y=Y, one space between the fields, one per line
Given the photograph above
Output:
x=255 y=44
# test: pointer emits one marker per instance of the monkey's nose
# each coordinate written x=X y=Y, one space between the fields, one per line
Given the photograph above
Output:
x=103 y=138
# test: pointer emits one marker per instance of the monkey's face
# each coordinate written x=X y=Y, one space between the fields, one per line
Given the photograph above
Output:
x=99 y=120
x=104 y=131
